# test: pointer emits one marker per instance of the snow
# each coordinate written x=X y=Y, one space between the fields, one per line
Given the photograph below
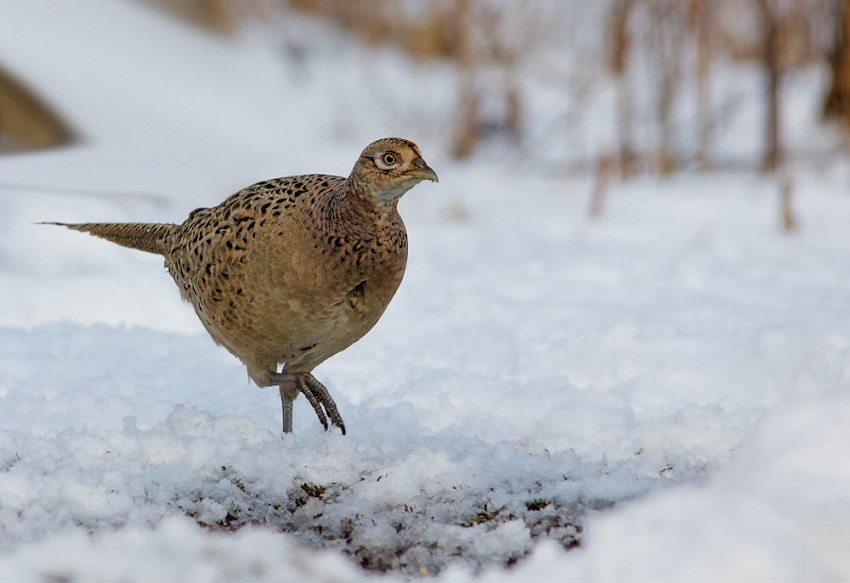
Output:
x=665 y=387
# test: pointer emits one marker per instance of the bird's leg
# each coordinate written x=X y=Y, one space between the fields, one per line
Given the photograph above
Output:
x=315 y=392
x=288 y=392
x=303 y=387
x=327 y=401
x=286 y=406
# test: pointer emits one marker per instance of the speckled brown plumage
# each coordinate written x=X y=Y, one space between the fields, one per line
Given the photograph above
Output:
x=292 y=270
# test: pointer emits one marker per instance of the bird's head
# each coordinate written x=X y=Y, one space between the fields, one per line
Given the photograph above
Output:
x=389 y=167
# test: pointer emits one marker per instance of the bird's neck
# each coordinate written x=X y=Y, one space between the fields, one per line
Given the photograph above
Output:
x=359 y=198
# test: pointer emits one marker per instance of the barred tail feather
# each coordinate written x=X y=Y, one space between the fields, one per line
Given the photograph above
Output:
x=150 y=237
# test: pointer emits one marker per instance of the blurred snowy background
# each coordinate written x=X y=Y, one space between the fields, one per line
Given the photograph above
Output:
x=621 y=351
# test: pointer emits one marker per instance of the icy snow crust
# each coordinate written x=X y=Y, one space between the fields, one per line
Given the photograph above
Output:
x=661 y=394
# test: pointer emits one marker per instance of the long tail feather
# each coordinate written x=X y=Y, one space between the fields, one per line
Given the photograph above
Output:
x=150 y=237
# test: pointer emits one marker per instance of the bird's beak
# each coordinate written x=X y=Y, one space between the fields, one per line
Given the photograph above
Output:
x=422 y=171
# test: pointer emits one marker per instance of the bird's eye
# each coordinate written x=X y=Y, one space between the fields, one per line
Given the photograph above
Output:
x=387 y=161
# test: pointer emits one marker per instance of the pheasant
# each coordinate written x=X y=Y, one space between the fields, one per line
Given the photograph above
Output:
x=290 y=271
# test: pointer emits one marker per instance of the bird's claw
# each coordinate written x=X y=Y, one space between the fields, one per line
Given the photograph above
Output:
x=318 y=396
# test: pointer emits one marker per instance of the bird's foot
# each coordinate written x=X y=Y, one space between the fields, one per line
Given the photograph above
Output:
x=315 y=392
x=318 y=396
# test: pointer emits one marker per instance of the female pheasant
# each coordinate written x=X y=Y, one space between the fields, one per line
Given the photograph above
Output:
x=291 y=271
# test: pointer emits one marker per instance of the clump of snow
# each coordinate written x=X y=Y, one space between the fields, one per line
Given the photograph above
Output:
x=778 y=512
x=661 y=393
x=176 y=550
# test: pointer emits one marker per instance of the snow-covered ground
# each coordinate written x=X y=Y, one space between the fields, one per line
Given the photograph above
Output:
x=660 y=394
